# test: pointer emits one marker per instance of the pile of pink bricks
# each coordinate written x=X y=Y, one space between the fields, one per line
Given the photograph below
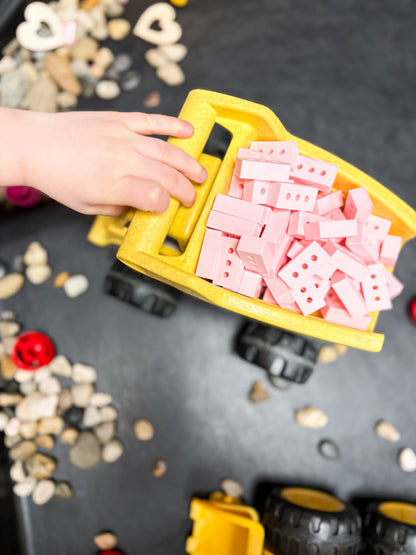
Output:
x=283 y=235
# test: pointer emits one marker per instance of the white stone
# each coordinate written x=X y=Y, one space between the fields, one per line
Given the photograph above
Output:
x=26 y=388
x=92 y=417
x=35 y=255
x=100 y=399
x=76 y=285
x=22 y=376
x=25 y=487
x=107 y=89
x=9 y=329
x=36 y=406
x=43 y=492
x=387 y=431
x=12 y=427
x=81 y=394
x=3 y=420
x=38 y=274
x=7 y=63
x=171 y=74
x=175 y=52
x=108 y=414
x=311 y=417
x=37 y=13
x=407 y=459
x=50 y=386
x=10 y=284
x=42 y=374
x=61 y=366
x=17 y=472
x=156 y=58
x=81 y=373
x=112 y=451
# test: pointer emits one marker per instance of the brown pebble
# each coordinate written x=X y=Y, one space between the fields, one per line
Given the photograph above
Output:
x=69 y=436
x=45 y=441
x=8 y=368
x=10 y=399
x=22 y=451
x=59 y=69
x=105 y=541
x=387 y=431
x=64 y=490
x=61 y=279
x=258 y=394
x=144 y=430
x=159 y=468
x=40 y=466
x=341 y=349
x=311 y=417
x=327 y=354
x=152 y=100
x=118 y=29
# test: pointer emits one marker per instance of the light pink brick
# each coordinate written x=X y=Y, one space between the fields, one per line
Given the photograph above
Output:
x=256 y=191
x=280 y=257
x=232 y=224
x=338 y=315
x=295 y=249
x=230 y=269
x=256 y=253
x=347 y=263
x=277 y=225
x=279 y=290
x=336 y=214
x=329 y=202
x=375 y=290
x=363 y=245
x=251 y=285
x=315 y=173
x=301 y=268
x=268 y=297
x=239 y=208
x=248 y=154
x=349 y=296
x=261 y=170
x=377 y=227
x=290 y=196
x=308 y=297
x=390 y=248
x=358 y=204
x=331 y=229
x=394 y=286
x=326 y=270
x=208 y=257
x=285 y=152
x=297 y=223
x=236 y=188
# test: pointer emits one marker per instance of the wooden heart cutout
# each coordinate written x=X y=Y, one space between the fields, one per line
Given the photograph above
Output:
x=170 y=30
x=37 y=13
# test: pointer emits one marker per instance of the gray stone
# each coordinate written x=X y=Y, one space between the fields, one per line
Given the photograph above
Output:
x=22 y=451
x=3 y=269
x=122 y=63
x=105 y=432
x=86 y=451
x=64 y=490
x=130 y=81
x=14 y=87
x=329 y=449
x=43 y=96
x=81 y=394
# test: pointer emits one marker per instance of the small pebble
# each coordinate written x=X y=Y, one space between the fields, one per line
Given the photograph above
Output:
x=52 y=425
x=35 y=255
x=22 y=451
x=40 y=466
x=10 y=285
x=12 y=427
x=258 y=393
x=159 y=469
x=86 y=451
x=407 y=459
x=81 y=373
x=130 y=81
x=61 y=366
x=311 y=417
x=26 y=388
x=43 y=492
x=92 y=417
x=69 y=436
x=175 y=52
x=144 y=430
x=10 y=442
x=7 y=316
x=45 y=441
x=23 y=376
x=107 y=90
x=18 y=265
x=8 y=368
x=156 y=57
x=3 y=420
x=17 y=472
x=171 y=74
x=74 y=416
x=105 y=432
x=8 y=345
x=108 y=414
x=232 y=488
x=50 y=386
x=63 y=276
x=387 y=431
x=38 y=274
x=28 y=430
x=105 y=541
x=66 y=101
x=76 y=285
x=327 y=354
x=118 y=29
x=329 y=449
x=25 y=487
x=64 y=400
x=10 y=399
x=122 y=63
x=63 y=490
x=112 y=451
x=85 y=49
x=9 y=329
x=152 y=100
x=341 y=349
x=42 y=374
x=100 y=399
x=81 y=394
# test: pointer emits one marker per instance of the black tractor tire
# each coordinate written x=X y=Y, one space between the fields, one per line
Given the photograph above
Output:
x=390 y=528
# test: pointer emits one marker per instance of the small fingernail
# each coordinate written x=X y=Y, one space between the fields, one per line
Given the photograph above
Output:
x=203 y=175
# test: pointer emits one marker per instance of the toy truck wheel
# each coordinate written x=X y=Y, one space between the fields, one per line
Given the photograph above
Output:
x=302 y=521
x=281 y=353
x=390 y=528
x=141 y=291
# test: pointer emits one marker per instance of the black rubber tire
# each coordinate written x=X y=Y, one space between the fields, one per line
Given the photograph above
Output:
x=388 y=536
x=293 y=529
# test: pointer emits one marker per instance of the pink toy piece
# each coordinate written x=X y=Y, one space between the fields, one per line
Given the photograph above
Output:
x=268 y=297
x=394 y=286
x=247 y=154
x=232 y=224
x=279 y=290
x=239 y=208
x=336 y=214
x=277 y=225
x=256 y=191
x=358 y=204
x=349 y=296
x=289 y=196
x=295 y=249
x=237 y=186
x=207 y=263
x=338 y=315
x=69 y=30
x=285 y=152
x=308 y=298
x=321 y=285
x=329 y=202
x=298 y=220
x=375 y=290
x=256 y=253
x=390 y=249
x=377 y=227
x=230 y=269
x=362 y=245
x=315 y=173
x=301 y=268
x=331 y=229
x=325 y=271
x=24 y=197
x=251 y=285
x=261 y=170
x=280 y=257
x=346 y=263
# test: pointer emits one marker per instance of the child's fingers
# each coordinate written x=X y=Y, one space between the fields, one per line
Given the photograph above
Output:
x=143 y=195
x=161 y=151
x=156 y=124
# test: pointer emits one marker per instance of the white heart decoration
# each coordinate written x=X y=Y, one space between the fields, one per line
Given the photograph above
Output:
x=170 y=30
x=37 y=13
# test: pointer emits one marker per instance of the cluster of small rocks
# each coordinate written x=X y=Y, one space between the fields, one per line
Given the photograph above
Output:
x=33 y=265
x=58 y=402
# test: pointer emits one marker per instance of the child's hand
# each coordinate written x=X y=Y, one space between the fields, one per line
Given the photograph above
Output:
x=101 y=162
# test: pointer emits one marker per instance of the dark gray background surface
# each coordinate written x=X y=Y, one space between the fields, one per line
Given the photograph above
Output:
x=341 y=75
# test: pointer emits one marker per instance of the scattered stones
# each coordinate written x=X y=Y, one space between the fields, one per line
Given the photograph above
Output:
x=144 y=430
x=52 y=425
x=81 y=373
x=99 y=399
x=81 y=394
x=327 y=354
x=45 y=441
x=69 y=436
x=76 y=285
x=61 y=366
x=159 y=469
x=108 y=414
x=105 y=541
x=152 y=100
x=38 y=274
x=40 y=466
x=36 y=406
x=387 y=431
x=171 y=74
x=10 y=285
x=85 y=49
x=105 y=432
x=112 y=451
x=43 y=492
x=86 y=451
x=407 y=459
x=8 y=368
x=10 y=399
x=329 y=449
x=35 y=255
x=17 y=472
x=50 y=386
x=28 y=430
x=258 y=394
x=64 y=490
x=107 y=90
x=232 y=488
x=22 y=451
x=9 y=329
x=311 y=417
x=25 y=487
x=92 y=417
x=63 y=276
x=118 y=29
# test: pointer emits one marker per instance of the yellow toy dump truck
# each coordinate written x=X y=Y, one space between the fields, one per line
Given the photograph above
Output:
x=146 y=239
x=300 y=521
